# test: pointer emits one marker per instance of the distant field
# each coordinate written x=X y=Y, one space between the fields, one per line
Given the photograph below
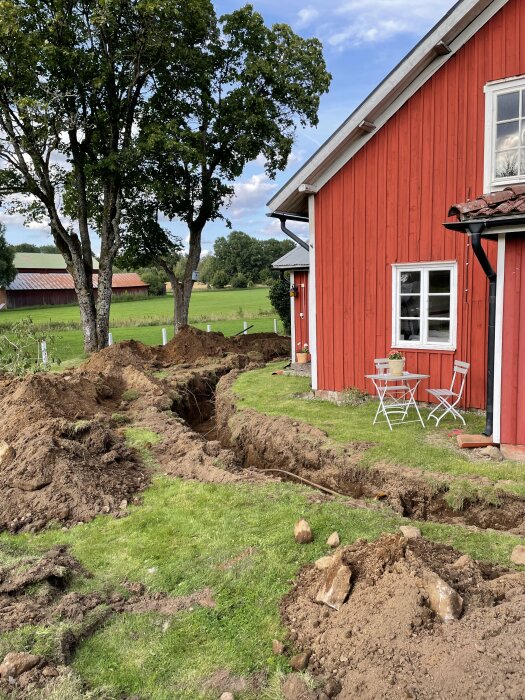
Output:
x=69 y=344
x=206 y=305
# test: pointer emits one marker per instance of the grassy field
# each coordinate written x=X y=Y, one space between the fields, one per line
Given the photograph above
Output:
x=205 y=306
x=176 y=542
x=430 y=449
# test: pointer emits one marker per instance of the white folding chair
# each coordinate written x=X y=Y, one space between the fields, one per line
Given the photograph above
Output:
x=389 y=394
x=448 y=399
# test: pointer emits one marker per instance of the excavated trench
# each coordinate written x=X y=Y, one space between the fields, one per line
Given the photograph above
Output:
x=295 y=451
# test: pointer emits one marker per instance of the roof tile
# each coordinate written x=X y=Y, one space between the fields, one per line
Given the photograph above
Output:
x=38 y=281
x=507 y=202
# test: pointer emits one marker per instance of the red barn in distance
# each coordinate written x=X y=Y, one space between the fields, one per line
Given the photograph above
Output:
x=43 y=280
x=445 y=126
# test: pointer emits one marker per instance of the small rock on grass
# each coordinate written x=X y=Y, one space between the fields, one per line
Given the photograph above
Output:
x=16 y=663
x=303 y=532
x=333 y=541
x=227 y=696
x=300 y=662
x=518 y=555
x=411 y=533
x=277 y=647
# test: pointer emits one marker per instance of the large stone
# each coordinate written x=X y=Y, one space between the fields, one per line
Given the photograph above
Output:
x=295 y=688
x=336 y=586
x=7 y=453
x=409 y=532
x=39 y=482
x=324 y=563
x=444 y=600
x=518 y=555
x=333 y=541
x=303 y=533
x=227 y=696
x=16 y=663
x=492 y=452
x=300 y=662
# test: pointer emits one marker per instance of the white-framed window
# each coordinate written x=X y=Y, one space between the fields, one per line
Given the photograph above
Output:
x=504 y=133
x=424 y=301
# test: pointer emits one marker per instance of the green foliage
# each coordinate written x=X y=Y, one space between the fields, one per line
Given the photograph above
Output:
x=7 y=256
x=239 y=281
x=207 y=269
x=130 y=395
x=239 y=253
x=220 y=279
x=279 y=295
x=156 y=279
x=31 y=248
x=20 y=350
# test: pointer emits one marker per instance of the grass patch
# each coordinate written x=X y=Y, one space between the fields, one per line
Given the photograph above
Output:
x=407 y=445
x=142 y=440
x=130 y=395
x=184 y=530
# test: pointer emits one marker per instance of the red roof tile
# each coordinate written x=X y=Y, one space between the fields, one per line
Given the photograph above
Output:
x=36 y=281
x=507 y=202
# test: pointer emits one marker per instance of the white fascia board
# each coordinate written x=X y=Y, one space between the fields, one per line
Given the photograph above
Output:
x=458 y=27
x=312 y=295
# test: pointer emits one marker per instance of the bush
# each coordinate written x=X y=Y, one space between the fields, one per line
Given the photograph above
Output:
x=219 y=280
x=280 y=297
x=156 y=280
x=20 y=350
x=239 y=281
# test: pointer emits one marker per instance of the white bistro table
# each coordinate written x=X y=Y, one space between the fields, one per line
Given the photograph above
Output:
x=397 y=405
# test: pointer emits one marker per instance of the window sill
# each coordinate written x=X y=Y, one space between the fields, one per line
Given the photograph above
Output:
x=450 y=349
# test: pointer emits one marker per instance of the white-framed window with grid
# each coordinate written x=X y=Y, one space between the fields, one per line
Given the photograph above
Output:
x=424 y=305
x=504 y=133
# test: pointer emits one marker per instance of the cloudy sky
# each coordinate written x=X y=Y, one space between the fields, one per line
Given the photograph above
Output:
x=363 y=40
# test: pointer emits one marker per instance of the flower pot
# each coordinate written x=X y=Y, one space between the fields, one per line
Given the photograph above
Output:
x=395 y=367
x=303 y=358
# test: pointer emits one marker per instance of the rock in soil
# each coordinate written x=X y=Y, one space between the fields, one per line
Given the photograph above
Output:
x=333 y=541
x=518 y=555
x=303 y=533
x=444 y=600
x=299 y=662
x=16 y=663
x=410 y=532
x=336 y=586
x=387 y=642
x=277 y=647
x=325 y=563
x=294 y=687
x=7 y=454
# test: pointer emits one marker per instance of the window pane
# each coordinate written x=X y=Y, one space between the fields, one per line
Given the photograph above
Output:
x=410 y=282
x=508 y=106
x=439 y=331
x=507 y=164
x=522 y=167
x=411 y=306
x=507 y=136
x=409 y=329
x=439 y=281
x=439 y=307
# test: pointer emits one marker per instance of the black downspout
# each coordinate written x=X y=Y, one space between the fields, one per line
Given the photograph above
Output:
x=476 y=231
x=291 y=234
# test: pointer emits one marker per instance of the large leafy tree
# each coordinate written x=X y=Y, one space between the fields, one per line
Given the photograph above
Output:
x=7 y=257
x=252 y=85
x=74 y=78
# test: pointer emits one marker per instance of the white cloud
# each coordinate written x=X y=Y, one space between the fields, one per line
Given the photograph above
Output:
x=250 y=195
x=307 y=15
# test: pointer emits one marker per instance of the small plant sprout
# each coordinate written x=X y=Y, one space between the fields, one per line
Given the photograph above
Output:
x=395 y=355
x=305 y=349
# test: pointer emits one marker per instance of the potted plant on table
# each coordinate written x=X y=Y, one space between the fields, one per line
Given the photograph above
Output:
x=303 y=356
x=396 y=363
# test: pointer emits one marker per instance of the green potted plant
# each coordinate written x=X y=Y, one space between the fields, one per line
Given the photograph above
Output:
x=396 y=363
x=303 y=356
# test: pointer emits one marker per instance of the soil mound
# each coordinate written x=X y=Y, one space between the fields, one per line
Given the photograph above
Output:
x=126 y=353
x=387 y=641
x=191 y=344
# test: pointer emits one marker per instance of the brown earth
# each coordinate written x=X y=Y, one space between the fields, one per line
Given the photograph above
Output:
x=270 y=442
x=67 y=460
x=385 y=641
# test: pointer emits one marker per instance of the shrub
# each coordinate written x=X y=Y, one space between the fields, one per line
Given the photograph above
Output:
x=280 y=297
x=219 y=280
x=239 y=281
x=20 y=349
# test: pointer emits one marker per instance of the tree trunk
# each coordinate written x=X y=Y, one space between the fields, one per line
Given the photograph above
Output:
x=182 y=290
x=105 y=276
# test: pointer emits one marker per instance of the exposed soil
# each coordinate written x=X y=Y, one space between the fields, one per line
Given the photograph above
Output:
x=269 y=442
x=385 y=641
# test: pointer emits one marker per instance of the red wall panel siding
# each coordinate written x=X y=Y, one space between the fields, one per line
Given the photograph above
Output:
x=513 y=372
x=301 y=307
x=387 y=206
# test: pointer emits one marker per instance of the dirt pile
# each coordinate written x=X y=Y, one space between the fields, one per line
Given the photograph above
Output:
x=387 y=640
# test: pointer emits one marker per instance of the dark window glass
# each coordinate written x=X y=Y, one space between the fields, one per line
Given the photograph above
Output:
x=507 y=136
x=409 y=329
x=439 y=331
x=411 y=306
x=410 y=282
x=508 y=106
x=439 y=306
x=439 y=281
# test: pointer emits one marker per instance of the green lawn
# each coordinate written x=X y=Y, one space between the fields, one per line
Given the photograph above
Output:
x=430 y=448
x=206 y=305
x=185 y=530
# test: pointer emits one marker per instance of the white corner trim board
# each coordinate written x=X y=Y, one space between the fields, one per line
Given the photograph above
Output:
x=498 y=350
x=292 y=317
x=312 y=298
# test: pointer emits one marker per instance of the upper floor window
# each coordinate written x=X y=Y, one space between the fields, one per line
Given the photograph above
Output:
x=505 y=133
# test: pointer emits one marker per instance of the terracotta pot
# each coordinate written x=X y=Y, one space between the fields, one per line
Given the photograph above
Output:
x=396 y=367
x=303 y=358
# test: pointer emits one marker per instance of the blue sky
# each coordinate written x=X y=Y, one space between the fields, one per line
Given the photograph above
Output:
x=363 y=40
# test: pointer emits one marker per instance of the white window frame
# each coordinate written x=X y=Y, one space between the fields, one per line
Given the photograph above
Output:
x=492 y=91
x=424 y=268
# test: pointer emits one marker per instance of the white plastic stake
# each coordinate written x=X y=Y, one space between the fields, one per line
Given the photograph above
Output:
x=164 y=336
x=275 y=326
x=208 y=328
x=245 y=326
x=43 y=345
x=110 y=338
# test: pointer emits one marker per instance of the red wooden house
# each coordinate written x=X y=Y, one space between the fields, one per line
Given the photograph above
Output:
x=446 y=125
x=297 y=262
